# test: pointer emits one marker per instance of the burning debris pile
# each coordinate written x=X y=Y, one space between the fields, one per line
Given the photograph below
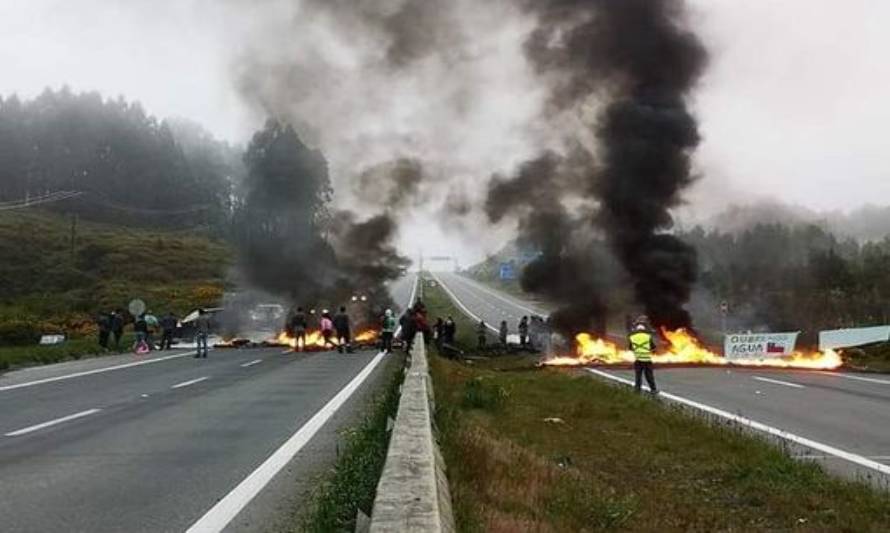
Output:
x=312 y=341
x=683 y=348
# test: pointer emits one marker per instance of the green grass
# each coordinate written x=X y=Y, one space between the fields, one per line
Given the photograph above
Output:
x=17 y=356
x=49 y=287
x=552 y=450
x=351 y=484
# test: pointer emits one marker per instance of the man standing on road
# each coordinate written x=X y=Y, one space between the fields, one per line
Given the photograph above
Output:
x=104 y=324
x=409 y=329
x=341 y=324
x=117 y=328
x=502 y=334
x=523 y=331
x=642 y=344
x=168 y=326
x=153 y=324
x=387 y=331
x=450 y=330
x=202 y=330
x=480 y=334
x=299 y=323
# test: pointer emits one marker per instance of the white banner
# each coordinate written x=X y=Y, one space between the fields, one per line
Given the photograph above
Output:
x=759 y=345
x=845 y=338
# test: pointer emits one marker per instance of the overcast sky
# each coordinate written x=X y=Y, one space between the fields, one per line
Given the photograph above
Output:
x=794 y=106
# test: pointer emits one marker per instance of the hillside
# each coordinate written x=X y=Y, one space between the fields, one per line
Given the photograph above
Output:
x=46 y=280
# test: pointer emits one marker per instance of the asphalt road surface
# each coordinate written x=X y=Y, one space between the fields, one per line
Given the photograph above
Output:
x=160 y=445
x=846 y=415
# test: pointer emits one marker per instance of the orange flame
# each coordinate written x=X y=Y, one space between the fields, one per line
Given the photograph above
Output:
x=685 y=348
x=315 y=340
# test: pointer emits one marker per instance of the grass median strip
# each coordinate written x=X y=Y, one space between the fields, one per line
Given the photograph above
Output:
x=554 y=450
x=351 y=483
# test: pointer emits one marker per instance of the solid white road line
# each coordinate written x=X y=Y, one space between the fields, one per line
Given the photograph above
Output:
x=759 y=426
x=460 y=304
x=857 y=378
x=219 y=516
x=515 y=303
x=779 y=382
x=96 y=371
x=397 y=333
x=190 y=382
x=37 y=427
x=251 y=363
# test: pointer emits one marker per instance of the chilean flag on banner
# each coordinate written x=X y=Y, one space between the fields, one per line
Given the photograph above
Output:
x=772 y=347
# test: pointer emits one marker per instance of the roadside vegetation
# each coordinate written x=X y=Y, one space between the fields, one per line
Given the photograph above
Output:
x=555 y=450
x=351 y=484
x=52 y=287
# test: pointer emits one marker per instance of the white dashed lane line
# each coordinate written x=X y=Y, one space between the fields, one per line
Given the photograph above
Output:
x=779 y=382
x=251 y=363
x=190 y=382
x=44 y=425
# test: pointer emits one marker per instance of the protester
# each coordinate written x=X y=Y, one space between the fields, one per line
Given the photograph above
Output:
x=327 y=329
x=523 y=331
x=202 y=331
x=341 y=324
x=140 y=327
x=439 y=330
x=153 y=324
x=387 y=331
x=104 y=324
x=480 y=334
x=421 y=324
x=117 y=328
x=502 y=333
x=409 y=330
x=168 y=327
x=450 y=330
x=299 y=324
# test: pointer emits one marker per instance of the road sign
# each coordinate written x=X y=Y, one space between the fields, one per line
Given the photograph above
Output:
x=506 y=271
x=136 y=307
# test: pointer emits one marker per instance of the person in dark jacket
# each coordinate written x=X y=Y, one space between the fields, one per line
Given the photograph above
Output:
x=502 y=333
x=409 y=330
x=341 y=325
x=450 y=330
x=104 y=324
x=117 y=328
x=168 y=327
x=523 y=331
x=481 y=332
x=439 y=330
x=299 y=324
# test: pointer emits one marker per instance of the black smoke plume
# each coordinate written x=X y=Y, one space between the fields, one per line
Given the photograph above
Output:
x=638 y=57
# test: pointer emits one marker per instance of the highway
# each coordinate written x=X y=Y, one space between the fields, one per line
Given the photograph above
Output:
x=841 y=419
x=229 y=442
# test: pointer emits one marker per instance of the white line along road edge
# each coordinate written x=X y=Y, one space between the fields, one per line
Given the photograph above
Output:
x=460 y=304
x=36 y=427
x=96 y=371
x=398 y=330
x=779 y=382
x=753 y=424
x=219 y=516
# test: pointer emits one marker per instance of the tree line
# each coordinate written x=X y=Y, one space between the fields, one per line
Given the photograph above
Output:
x=128 y=166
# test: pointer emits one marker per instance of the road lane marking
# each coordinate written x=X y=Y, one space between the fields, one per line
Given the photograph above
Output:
x=190 y=382
x=461 y=305
x=857 y=378
x=251 y=363
x=759 y=426
x=37 y=427
x=780 y=382
x=96 y=371
x=226 y=509
x=514 y=303
x=397 y=334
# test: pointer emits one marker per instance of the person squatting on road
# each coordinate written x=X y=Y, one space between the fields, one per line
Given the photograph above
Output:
x=168 y=327
x=202 y=331
x=387 y=331
x=642 y=344
x=341 y=324
x=299 y=324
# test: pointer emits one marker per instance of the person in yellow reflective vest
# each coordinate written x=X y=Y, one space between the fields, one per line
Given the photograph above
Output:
x=642 y=344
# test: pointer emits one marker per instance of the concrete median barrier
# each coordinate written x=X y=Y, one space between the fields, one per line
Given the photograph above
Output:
x=412 y=494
